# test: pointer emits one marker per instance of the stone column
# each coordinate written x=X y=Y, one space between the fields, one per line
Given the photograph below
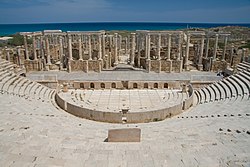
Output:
x=48 y=51
x=90 y=47
x=116 y=49
x=200 y=66
x=132 y=57
x=148 y=43
x=231 y=54
x=100 y=47
x=187 y=52
x=70 y=47
x=61 y=52
x=179 y=48
x=169 y=46
x=207 y=47
x=26 y=47
x=243 y=54
x=7 y=54
x=103 y=46
x=215 y=46
x=139 y=51
x=42 y=52
x=225 y=48
x=19 y=55
x=126 y=45
x=34 y=47
x=80 y=47
x=159 y=47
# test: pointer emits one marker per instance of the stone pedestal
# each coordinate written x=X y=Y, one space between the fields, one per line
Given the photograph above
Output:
x=155 y=66
x=32 y=65
x=177 y=66
x=218 y=66
x=124 y=135
x=200 y=67
x=148 y=65
x=166 y=65
x=65 y=87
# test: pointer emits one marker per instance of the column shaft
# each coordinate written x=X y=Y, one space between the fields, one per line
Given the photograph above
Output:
x=132 y=58
x=100 y=47
x=225 y=48
x=187 y=52
x=201 y=50
x=34 y=47
x=207 y=47
x=48 y=50
x=215 y=46
x=169 y=46
x=26 y=47
x=116 y=48
x=90 y=47
x=80 y=47
x=159 y=47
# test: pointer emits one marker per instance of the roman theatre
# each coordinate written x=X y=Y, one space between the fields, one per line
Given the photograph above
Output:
x=187 y=88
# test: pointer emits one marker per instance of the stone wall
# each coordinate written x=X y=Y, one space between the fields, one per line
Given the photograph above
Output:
x=95 y=65
x=177 y=66
x=155 y=65
x=112 y=117
x=32 y=65
x=79 y=65
x=128 y=85
x=166 y=65
x=219 y=66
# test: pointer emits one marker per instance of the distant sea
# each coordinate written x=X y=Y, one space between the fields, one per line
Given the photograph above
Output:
x=7 y=29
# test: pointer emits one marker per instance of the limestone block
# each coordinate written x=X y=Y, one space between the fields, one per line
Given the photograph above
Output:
x=124 y=135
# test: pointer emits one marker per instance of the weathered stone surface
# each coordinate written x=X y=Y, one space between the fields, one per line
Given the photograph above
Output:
x=124 y=135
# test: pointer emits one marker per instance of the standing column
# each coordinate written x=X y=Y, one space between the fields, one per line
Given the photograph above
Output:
x=48 y=51
x=243 y=54
x=19 y=55
x=90 y=47
x=207 y=47
x=148 y=42
x=26 y=47
x=225 y=48
x=126 y=45
x=116 y=49
x=100 y=47
x=7 y=54
x=187 y=52
x=215 y=46
x=61 y=52
x=201 y=54
x=159 y=47
x=132 y=58
x=80 y=47
x=179 y=48
x=42 y=52
x=34 y=47
x=103 y=46
x=231 y=55
x=169 y=46
x=139 y=39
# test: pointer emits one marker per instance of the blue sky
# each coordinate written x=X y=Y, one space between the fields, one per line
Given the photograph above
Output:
x=49 y=11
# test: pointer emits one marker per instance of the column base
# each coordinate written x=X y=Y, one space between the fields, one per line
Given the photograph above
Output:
x=200 y=67
x=186 y=67
x=148 y=65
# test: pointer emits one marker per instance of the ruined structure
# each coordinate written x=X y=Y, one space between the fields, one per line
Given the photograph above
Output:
x=152 y=51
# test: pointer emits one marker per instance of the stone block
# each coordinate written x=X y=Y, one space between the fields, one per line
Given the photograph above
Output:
x=124 y=135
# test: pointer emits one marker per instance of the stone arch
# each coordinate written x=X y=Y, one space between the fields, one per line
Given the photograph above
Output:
x=135 y=85
x=102 y=85
x=92 y=85
x=113 y=85
x=155 y=85
x=81 y=85
x=145 y=85
x=166 y=85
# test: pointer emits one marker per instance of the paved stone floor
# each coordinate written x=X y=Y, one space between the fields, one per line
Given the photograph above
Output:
x=136 y=100
x=33 y=133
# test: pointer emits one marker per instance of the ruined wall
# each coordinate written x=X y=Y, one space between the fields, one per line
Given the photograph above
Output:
x=32 y=65
x=219 y=66
x=155 y=65
x=79 y=65
x=166 y=65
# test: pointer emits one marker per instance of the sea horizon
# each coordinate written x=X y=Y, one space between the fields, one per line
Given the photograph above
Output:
x=13 y=28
